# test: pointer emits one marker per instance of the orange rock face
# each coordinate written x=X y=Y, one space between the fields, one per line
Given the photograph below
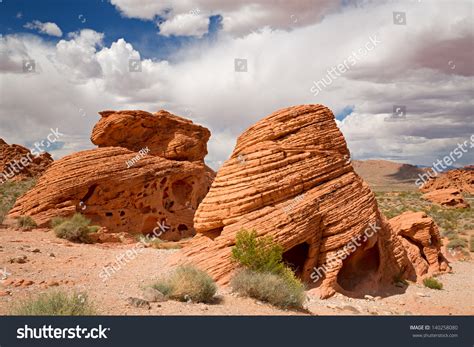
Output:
x=447 y=198
x=18 y=163
x=122 y=190
x=421 y=239
x=289 y=177
x=460 y=179
x=166 y=135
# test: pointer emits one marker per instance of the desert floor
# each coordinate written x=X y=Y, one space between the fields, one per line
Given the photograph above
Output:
x=53 y=263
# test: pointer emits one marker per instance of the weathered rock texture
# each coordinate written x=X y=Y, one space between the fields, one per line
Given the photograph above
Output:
x=289 y=177
x=460 y=179
x=154 y=194
x=421 y=239
x=18 y=163
x=447 y=198
x=166 y=135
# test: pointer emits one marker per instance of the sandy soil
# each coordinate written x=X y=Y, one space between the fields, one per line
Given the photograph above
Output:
x=52 y=263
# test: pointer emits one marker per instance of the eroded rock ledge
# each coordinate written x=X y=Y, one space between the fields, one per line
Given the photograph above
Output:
x=123 y=190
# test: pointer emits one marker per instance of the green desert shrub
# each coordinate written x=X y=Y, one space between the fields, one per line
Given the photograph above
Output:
x=264 y=275
x=274 y=289
x=26 y=222
x=257 y=254
x=457 y=243
x=432 y=283
x=55 y=303
x=76 y=229
x=57 y=221
x=187 y=283
x=10 y=191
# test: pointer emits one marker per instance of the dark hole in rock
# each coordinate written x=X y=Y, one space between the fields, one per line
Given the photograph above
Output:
x=359 y=269
x=122 y=213
x=212 y=234
x=168 y=204
x=181 y=191
x=145 y=210
x=109 y=214
x=182 y=227
x=89 y=193
x=296 y=257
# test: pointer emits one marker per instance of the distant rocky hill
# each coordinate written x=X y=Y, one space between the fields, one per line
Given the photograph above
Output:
x=384 y=175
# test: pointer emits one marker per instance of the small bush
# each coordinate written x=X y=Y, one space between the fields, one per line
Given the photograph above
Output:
x=274 y=289
x=57 y=221
x=55 y=304
x=449 y=234
x=187 y=282
x=10 y=191
x=457 y=243
x=76 y=229
x=432 y=283
x=257 y=254
x=26 y=222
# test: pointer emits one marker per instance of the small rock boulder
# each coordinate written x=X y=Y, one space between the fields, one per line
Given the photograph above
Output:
x=451 y=198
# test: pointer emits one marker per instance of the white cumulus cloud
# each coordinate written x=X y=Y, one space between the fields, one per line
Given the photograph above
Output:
x=188 y=24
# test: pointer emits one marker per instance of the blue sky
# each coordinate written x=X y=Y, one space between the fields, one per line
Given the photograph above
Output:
x=101 y=16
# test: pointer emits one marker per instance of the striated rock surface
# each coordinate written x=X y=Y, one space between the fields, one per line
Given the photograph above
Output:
x=447 y=198
x=125 y=191
x=166 y=135
x=460 y=179
x=289 y=177
x=421 y=239
x=18 y=163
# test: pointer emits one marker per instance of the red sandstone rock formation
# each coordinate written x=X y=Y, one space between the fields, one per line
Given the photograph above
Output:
x=447 y=198
x=289 y=178
x=18 y=163
x=421 y=239
x=460 y=179
x=126 y=191
x=166 y=135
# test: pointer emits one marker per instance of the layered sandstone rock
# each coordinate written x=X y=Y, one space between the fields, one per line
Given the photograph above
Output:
x=18 y=163
x=166 y=135
x=460 y=179
x=421 y=239
x=447 y=198
x=126 y=191
x=289 y=177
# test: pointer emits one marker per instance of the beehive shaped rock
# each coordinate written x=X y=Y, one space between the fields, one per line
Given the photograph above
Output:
x=123 y=190
x=18 y=163
x=290 y=177
x=165 y=135
x=421 y=239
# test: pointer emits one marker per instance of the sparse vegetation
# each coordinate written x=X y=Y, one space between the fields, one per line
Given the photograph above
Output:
x=457 y=243
x=76 y=229
x=258 y=254
x=57 y=221
x=10 y=191
x=26 y=223
x=432 y=283
x=471 y=243
x=274 y=289
x=187 y=283
x=265 y=276
x=55 y=303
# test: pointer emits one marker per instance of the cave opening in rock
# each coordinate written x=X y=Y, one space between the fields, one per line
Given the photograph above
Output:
x=296 y=257
x=212 y=234
x=181 y=191
x=359 y=269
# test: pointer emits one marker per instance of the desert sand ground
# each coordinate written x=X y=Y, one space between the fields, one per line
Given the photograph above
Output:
x=53 y=263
